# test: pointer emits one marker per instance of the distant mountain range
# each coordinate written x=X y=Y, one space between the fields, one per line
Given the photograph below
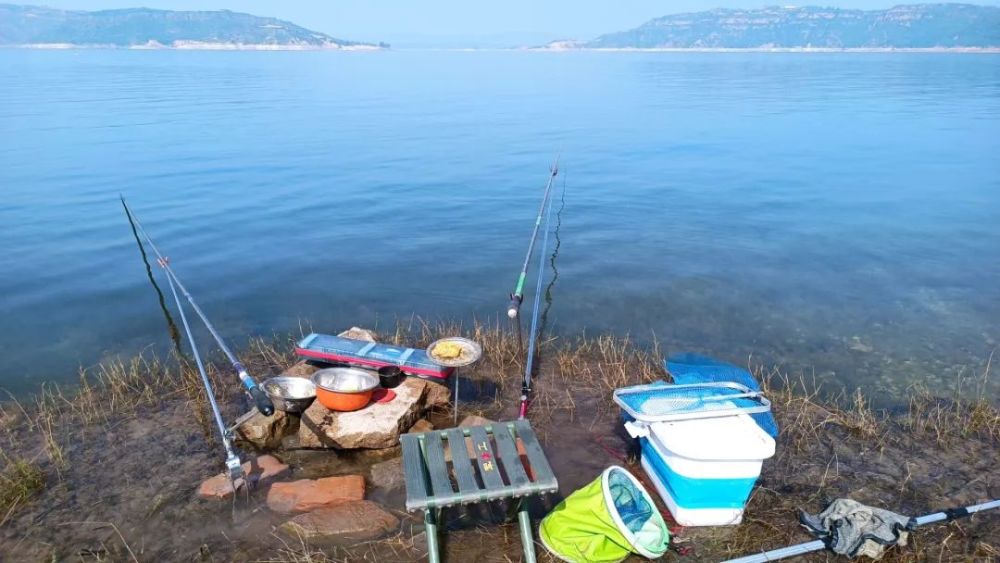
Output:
x=142 y=27
x=906 y=26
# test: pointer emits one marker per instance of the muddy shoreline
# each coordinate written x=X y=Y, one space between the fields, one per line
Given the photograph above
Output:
x=121 y=457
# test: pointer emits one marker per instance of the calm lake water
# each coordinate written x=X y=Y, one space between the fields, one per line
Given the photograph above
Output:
x=835 y=214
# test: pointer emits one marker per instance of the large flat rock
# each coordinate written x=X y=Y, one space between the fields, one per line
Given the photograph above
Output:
x=376 y=426
x=361 y=520
x=306 y=495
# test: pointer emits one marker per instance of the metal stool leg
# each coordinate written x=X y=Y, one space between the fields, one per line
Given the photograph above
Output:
x=430 y=530
x=527 y=537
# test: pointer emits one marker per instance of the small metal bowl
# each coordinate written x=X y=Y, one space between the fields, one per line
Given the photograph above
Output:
x=290 y=394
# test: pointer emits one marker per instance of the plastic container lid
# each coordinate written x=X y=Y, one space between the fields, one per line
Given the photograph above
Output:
x=716 y=439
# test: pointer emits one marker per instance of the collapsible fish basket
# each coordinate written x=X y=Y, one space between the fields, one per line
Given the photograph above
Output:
x=605 y=522
x=665 y=403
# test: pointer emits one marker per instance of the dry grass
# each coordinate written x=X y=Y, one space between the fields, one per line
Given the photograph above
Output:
x=571 y=373
x=970 y=412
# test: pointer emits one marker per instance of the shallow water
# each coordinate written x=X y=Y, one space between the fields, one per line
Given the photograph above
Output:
x=832 y=213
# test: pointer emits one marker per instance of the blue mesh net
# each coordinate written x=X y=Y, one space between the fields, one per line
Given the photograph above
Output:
x=676 y=402
x=693 y=368
x=633 y=505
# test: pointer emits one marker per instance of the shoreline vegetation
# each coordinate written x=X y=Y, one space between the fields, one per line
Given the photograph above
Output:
x=100 y=472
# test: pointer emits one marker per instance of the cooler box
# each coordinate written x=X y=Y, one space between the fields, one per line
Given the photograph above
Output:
x=337 y=349
x=705 y=469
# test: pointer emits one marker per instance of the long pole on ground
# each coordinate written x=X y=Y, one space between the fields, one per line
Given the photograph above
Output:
x=809 y=547
x=529 y=362
x=264 y=404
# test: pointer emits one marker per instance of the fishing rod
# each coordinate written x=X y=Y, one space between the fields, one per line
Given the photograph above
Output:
x=533 y=335
x=233 y=464
x=517 y=297
x=809 y=547
x=261 y=399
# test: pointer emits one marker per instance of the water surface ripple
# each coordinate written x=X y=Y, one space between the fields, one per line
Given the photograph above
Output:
x=837 y=214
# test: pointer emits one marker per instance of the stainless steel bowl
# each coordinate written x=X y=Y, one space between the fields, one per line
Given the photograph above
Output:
x=290 y=394
x=345 y=380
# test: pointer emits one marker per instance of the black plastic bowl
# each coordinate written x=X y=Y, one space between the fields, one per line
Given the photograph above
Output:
x=390 y=376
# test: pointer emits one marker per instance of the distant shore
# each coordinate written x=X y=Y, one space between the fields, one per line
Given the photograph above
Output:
x=199 y=46
x=773 y=49
x=204 y=46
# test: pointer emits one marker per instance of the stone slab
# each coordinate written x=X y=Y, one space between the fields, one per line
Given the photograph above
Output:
x=306 y=495
x=361 y=520
x=376 y=426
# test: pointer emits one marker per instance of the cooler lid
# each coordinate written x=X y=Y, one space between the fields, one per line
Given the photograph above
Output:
x=722 y=438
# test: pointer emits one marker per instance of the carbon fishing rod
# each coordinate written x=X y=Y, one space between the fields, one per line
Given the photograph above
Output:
x=533 y=334
x=517 y=296
x=261 y=399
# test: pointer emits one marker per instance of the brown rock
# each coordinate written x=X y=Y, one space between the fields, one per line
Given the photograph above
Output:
x=361 y=520
x=265 y=432
x=388 y=475
x=475 y=420
x=301 y=369
x=355 y=333
x=376 y=426
x=305 y=495
x=422 y=425
x=258 y=472
x=438 y=396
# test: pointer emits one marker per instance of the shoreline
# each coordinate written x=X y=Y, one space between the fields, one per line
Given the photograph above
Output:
x=973 y=50
x=205 y=46
x=144 y=423
x=193 y=46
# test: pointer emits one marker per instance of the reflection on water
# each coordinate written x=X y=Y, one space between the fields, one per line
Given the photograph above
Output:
x=831 y=213
x=175 y=335
x=552 y=263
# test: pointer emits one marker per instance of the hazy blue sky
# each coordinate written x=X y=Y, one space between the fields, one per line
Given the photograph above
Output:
x=391 y=19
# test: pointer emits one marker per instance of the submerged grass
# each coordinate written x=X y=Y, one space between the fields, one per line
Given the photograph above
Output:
x=828 y=447
x=20 y=481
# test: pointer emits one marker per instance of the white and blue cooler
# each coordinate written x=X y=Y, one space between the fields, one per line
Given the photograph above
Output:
x=705 y=469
